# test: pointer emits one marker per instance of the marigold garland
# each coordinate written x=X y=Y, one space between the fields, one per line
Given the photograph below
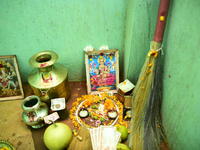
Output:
x=89 y=99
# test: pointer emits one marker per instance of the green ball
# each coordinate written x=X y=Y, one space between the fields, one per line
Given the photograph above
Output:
x=123 y=130
x=102 y=119
x=89 y=114
x=57 y=136
x=96 y=117
x=94 y=107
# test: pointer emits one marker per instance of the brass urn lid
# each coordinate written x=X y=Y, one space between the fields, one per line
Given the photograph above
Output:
x=43 y=59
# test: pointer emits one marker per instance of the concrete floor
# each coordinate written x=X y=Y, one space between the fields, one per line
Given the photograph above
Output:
x=14 y=130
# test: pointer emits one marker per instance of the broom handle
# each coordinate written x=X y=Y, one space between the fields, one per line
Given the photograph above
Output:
x=161 y=20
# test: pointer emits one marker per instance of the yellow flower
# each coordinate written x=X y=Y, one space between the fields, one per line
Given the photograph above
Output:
x=125 y=123
x=149 y=71
x=75 y=104
x=76 y=124
x=78 y=99
x=87 y=103
x=71 y=117
x=151 y=53
x=4 y=148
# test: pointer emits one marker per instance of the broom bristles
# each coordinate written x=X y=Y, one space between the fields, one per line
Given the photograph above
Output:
x=146 y=105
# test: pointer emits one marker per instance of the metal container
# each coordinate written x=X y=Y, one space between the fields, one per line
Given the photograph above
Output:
x=48 y=80
x=34 y=111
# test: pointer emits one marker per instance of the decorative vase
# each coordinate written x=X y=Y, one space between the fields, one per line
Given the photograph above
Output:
x=48 y=80
x=34 y=111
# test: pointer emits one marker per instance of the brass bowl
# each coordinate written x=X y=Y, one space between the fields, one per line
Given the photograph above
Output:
x=83 y=109
x=112 y=111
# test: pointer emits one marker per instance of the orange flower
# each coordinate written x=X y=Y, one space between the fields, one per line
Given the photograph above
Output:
x=109 y=101
x=87 y=103
x=75 y=104
x=112 y=105
x=106 y=105
x=149 y=71
x=109 y=106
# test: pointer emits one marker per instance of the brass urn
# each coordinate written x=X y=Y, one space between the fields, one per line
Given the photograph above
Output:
x=48 y=80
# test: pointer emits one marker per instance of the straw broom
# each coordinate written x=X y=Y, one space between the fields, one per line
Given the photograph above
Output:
x=146 y=128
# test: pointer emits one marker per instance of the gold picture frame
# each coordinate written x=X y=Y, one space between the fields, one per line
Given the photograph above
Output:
x=10 y=79
x=102 y=71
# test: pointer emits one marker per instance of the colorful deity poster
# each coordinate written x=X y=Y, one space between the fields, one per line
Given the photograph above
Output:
x=102 y=71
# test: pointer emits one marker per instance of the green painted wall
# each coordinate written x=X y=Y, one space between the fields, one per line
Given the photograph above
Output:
x=139 y=31
x=181 y=101
x=180 y=64
x=63 y=26
x=66 y=27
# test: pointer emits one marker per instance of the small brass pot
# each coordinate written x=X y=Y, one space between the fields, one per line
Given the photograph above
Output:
x=48 y=80
x=34 y=111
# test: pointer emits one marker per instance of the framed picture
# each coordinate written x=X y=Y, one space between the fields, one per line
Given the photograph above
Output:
x=10 y=80
x=102 y=71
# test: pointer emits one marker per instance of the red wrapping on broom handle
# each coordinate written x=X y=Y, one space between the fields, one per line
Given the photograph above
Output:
x=161 y=20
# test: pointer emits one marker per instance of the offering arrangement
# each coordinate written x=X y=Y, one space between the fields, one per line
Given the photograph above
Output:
x=95 y=110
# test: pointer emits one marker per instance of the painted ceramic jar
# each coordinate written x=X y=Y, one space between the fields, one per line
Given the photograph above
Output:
x=48 y=80
x=34 y=111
